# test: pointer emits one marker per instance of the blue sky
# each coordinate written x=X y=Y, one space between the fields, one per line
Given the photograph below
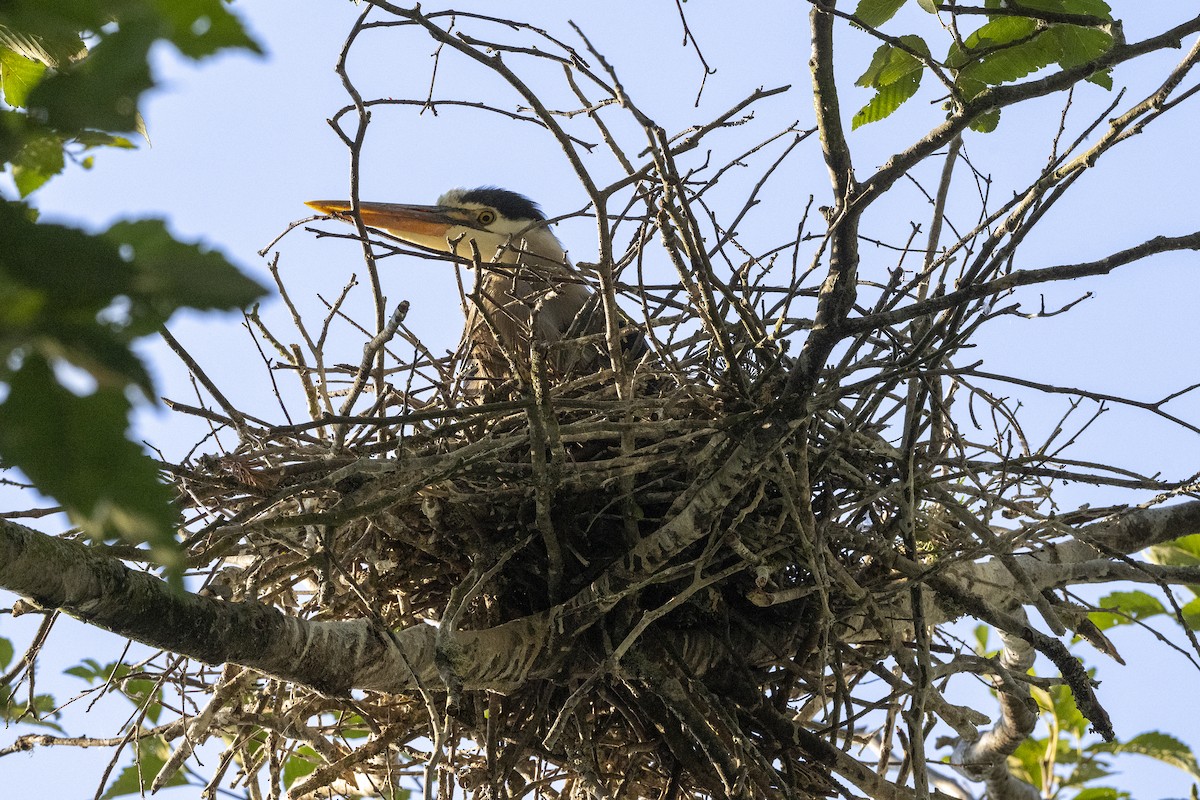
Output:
x=238 y=143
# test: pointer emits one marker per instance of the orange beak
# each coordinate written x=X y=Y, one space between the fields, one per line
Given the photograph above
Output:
x=404 y=221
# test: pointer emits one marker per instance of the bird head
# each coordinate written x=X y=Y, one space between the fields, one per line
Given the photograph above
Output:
x=506 y=227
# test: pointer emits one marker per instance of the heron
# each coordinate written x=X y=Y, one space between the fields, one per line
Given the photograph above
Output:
x=527 y=292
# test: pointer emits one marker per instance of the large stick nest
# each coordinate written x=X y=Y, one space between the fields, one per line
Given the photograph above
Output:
x=492 y=513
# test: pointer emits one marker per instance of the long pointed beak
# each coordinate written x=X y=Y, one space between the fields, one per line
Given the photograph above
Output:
x=401 y=220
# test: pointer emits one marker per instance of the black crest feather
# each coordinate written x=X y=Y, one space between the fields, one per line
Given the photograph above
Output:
x=509 y=204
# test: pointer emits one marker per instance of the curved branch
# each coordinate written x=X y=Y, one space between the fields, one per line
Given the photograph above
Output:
x=1002 y=96
x=839 y=289
x=332 y=657
x=986 y=758
x=1025 y=277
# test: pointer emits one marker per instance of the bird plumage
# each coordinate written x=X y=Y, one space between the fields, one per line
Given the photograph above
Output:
x=526 y=292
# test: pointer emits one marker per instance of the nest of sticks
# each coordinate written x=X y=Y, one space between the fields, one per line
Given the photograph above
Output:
x=718 y=575
x=693 y=675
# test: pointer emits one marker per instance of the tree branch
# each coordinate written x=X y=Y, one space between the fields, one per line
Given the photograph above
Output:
x=1028 y=277
x=1002 y=96
x=332 y=657
x=838 y=291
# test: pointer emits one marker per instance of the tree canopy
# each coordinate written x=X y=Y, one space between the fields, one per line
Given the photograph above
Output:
x=776 y=556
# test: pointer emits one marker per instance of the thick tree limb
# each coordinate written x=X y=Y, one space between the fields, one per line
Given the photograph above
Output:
x=985 y=759
x=330 y=656
x=338 y=656
x=839 y=289
x=1085 y=558
x=333 y=657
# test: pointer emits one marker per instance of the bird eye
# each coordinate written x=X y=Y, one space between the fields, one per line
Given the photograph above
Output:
x=486 y=217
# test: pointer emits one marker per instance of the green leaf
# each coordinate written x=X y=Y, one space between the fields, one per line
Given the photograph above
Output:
x=1097 y=8
x=888 y=99
x=1079 y=45
x=74 y=448
x=902 y=62
x=1026 y=761
x=890 y=64
x=6 y=652
x=303 y=761
x=1014 y=61
x=987 y=121
x=896 y=75
x=53 y=47
x=91 y=670
x=200 y=28
x=152 y=754
x=39 y=160
x=986 y=38
x=970 y=89
x=43 y=713
x=982 y=634
x=53 y=25
x=142 y=692
x=1087 y=769
x=58 y=283
x=1009 y=48
x=999 y=31
x=1181 y=552
x=92 y=139
x=928 y=5
x=13 y=125
x=101 y=90
x=1102 y=78
x=1091 y=8
x=874 y=13
x=41 y=153
x=18 y=76
x=1134 y=605
x=1101 y=793
x=144 y=696
x=76 y=272
x=169 y=275
x=81 y=95
x=879 y=60
x=1191 y=614
x=72 y=297
x=1159 y=746
x=1066 y=712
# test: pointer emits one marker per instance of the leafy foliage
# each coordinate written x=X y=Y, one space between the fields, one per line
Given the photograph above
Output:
x=74 y=448
x=1131 y=606
x=152 y=754
x=895 y=73
x=303 y=762
x=81 y=300
x=1159 y=746
x=1181 y=552
x=42 y=711
x=1065 y=759
x=876 y=12
x=75 y=301
x=14 y=710
x=69 y=91
x=1128 y=607
x=1006 y=48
